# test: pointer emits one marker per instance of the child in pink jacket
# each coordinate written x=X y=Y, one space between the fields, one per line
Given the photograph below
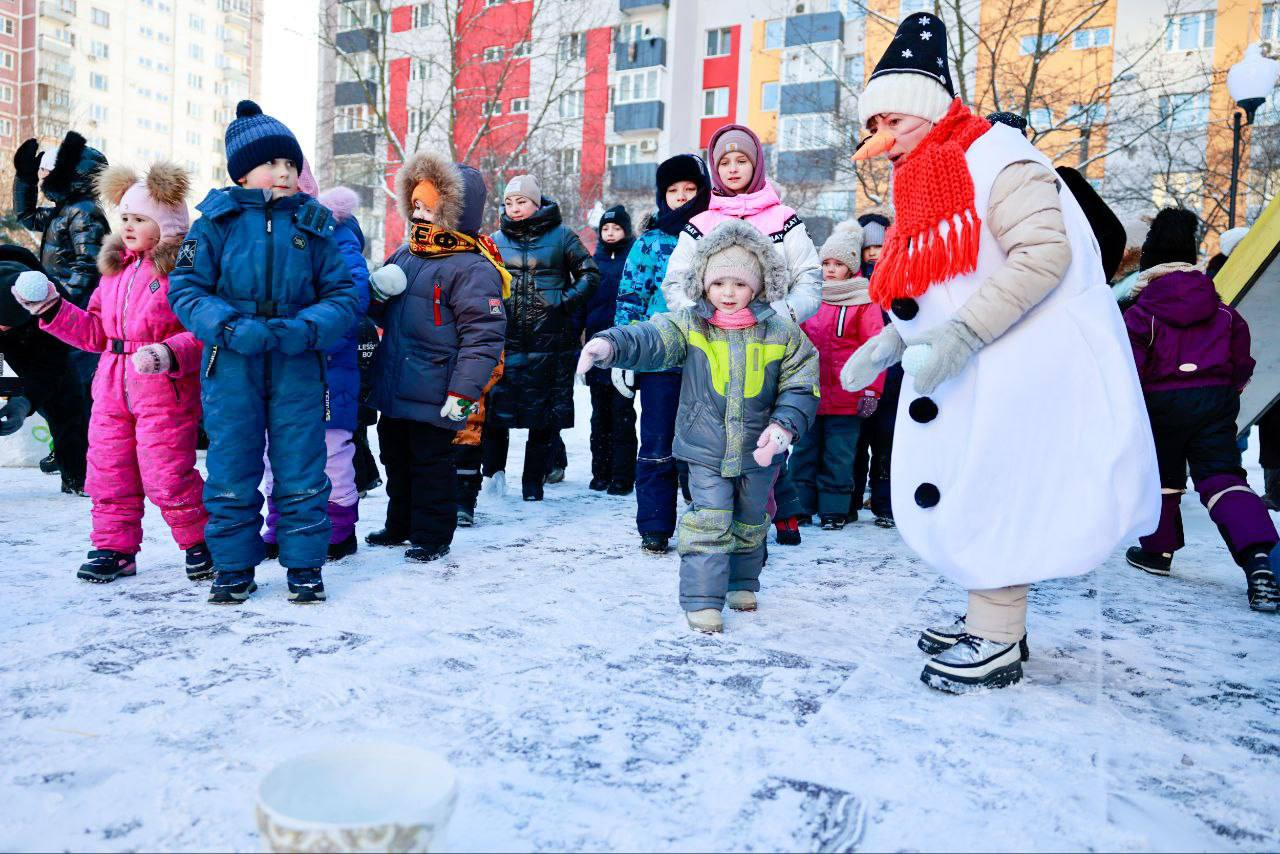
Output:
x=146 y=392
x=821 y=466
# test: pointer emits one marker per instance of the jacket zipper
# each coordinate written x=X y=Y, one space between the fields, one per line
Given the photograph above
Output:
x=436 y=305
x=271 y=263
x=124 y=319
x=840 y=321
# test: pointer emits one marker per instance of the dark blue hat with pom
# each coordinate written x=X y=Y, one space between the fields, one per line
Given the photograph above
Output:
x=254 y=138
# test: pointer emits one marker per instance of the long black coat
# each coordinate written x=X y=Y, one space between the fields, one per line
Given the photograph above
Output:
x=552 y=276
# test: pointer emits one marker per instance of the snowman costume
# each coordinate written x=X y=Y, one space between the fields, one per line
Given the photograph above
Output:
x=1022 y=449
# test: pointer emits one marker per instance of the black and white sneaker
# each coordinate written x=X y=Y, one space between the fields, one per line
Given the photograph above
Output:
x=885 y=522
x=466 y=518
x=425 y=554
x=1150 y=562
x=939 y=639
x=199 y=563
x=105 y=566
x=306 y=587
x=654 y=543
x=555 y=475
x=974 y=663
x=1264 y=595
x=232 y=587
x=49 y=465
x=833 y=521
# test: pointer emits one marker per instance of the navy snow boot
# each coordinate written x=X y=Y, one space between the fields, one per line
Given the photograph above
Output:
x=232 y=587
x=306 y=587
x=105 y=566
x=199 y=563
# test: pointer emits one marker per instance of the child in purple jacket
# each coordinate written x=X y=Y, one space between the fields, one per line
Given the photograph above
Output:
x=1192 y=354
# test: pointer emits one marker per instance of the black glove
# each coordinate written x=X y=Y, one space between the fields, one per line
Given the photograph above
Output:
x=26 y=160
x=12 y=414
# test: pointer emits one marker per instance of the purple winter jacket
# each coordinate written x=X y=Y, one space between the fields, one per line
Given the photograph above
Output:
x=1183 y=336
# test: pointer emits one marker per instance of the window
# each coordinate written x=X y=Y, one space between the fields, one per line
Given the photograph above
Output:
x=568 y=161
x=1092 y=37
x=715 y=102
x=196 y=51
x=1040 y=118
x=6 y=93
x=769 y=96
x=196 y=23
x=6 y=26
x=634 y=86
x=573 y=46
x=911 y=6
x=1041 y=44
x=521 y=50
x=101 y=18
x=1178 y=189
x=6 y=127
x=571 y=104
x=417 y=121
x=421 y=16
x=352 y=117
x=1189 y=32
x=719 y=42
x=194 y=138
x=419 y=69
x=775 y=34
x=193 y=110
x=853 y=69
x=1270 y=24
x=354 y=67
x=854 y=10
x=622 y=155
x=834 y=204
x=98 y=113
x=1087 y=114
x=6 y=60
x=145 y=62
x=98 y=81
x=195 y=81
x=488 y=3
x=519 y=105
x=1184 y=111
x=805 y=132
x=491 y=108
x=494 y=54
x=99 y=49
x=817 y=61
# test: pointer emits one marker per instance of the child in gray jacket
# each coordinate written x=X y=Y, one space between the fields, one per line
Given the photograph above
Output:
x=749 y=389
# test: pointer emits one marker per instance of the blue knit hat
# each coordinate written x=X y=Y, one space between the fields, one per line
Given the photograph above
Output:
x=254 y=138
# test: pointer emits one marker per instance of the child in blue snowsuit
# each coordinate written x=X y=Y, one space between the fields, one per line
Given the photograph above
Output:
x=261 y=282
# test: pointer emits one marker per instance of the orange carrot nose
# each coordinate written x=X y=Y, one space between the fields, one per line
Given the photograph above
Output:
x=876 y=145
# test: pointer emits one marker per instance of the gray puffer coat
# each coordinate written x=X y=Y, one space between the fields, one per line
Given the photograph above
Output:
x=735 y=381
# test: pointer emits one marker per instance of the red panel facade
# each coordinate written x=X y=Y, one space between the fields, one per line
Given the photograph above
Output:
x=595 y=110
x=717 y=72
x=478 y=138
x=398 y=119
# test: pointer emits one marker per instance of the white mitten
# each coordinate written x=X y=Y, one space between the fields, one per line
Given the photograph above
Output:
x=950 y=347
x=153 y=359
x=871 y=358
x=623 y=381
x=457 y=408
x=35 y=292
x=596 y=350
x=773 y=441
x=387 y=281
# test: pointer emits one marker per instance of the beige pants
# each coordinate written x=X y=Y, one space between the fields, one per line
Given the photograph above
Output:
x=998 y=615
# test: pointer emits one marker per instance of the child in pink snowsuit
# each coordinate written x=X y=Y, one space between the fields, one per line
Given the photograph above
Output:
x=146 y=392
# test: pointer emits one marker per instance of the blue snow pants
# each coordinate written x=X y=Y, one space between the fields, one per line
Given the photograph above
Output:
x=247 y=399
x=656 y=478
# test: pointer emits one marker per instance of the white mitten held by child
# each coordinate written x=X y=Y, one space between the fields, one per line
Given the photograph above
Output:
x=153 y=359
x=387 y=281
x=35 y=292
x=871 y=358
x=596 y=350
x=623 y=381
x=457 y=408
x=775 y=440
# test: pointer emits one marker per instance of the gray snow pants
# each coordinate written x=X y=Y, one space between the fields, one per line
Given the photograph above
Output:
x=721 y=537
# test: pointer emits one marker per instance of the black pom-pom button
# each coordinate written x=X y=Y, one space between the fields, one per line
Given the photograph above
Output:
x=923 y=410
x=927 y=495
x=905 y=308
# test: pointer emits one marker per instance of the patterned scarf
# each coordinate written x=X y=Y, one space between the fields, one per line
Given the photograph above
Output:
x=937 y=232
x=430 y=241
x=851 y=291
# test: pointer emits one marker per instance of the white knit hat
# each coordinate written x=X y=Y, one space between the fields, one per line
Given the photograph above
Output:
x=844 y=245
x=1230 y=239
x=734 y=262
x=912 y=76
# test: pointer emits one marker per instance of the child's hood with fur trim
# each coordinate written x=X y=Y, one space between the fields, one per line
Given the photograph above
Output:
x=461 y=188
x=733 y=232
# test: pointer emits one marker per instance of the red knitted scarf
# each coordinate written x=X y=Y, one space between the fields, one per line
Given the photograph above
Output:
x=937 y=231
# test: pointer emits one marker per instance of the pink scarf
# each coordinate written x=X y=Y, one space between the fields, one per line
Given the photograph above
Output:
x=743 y=318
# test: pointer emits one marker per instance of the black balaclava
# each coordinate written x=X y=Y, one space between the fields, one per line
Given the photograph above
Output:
x=682 y=167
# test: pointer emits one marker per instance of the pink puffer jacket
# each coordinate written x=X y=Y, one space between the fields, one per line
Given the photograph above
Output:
x=837 y=331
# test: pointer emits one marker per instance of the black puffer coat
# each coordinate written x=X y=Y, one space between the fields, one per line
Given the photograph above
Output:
x=552 y=278
x=74 y=228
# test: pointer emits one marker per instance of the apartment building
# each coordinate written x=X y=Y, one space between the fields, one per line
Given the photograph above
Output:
x=141 y=79
x=1108 y=85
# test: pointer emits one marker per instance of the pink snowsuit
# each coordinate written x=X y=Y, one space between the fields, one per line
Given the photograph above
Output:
x=142 y=432
x=837 y=331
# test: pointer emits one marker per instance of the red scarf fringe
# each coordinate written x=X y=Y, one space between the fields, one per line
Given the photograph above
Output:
x=932 y=187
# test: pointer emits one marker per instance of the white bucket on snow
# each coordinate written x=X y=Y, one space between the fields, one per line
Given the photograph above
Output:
x=369 y=797
x=27 y=447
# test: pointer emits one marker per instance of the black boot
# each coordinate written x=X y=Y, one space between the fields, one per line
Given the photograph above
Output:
x=1150 y=562
x=387 y=537
x=71 y=486
x=598 y=484
x=621 y=487
x=273 y=550
x=1264 y=595
x=425 y=553
x=466 y=518
x=306 y=587
x=105 y=566
x=1271 y=491
x=833 y=521
x=199 y=563
x=49 y=465
x=654 y=543
x=346 y=548
x=232 y=587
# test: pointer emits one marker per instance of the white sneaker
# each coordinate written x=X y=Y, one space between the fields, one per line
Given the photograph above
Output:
x=496 y=486
x=974 y=663
x=741 y=600
x=707 y=620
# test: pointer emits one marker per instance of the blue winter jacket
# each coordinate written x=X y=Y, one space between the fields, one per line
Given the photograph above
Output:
x=342 y=359
x=640 y=289
x=602 y=305
x=249 y=257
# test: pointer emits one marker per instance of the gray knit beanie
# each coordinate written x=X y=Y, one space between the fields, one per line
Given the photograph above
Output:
x=524 y=185
x=844 y=245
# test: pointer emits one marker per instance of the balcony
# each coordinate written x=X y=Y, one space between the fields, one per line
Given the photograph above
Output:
x=237 y=11
x=817 y=166
x=357 y=41
x=645 y=53
x=234 y=75
x=642 y=116
x=819 y=96
x=54 y=11
x=54 y=47
x=54 y=73
x=626 y=177
x=355 y=142
x=235 y=46
x=358 y=92
x=814 y=28
x=627 y=6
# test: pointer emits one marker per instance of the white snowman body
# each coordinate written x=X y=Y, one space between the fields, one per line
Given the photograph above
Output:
x=1037 y=460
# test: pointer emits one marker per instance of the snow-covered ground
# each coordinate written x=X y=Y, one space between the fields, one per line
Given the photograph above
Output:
x=547 y=658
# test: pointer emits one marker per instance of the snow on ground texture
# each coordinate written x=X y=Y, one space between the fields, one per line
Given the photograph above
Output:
x=548 y=659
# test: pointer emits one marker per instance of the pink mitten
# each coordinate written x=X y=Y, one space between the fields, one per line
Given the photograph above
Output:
x=773 y=441
x=153 y=359
x=34 y=292
x=867 y=406
x=596 y=350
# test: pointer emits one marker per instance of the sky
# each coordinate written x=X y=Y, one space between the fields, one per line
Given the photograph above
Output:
x=291 y=66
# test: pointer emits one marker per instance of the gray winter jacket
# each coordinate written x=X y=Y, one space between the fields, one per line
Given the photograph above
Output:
x=735 y=381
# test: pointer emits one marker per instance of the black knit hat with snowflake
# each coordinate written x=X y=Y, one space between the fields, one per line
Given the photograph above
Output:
x=913 y=76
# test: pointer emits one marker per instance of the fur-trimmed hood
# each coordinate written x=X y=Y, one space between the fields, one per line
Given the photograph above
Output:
x=114 y=257
x=73 y=170
x=461 y=188
x=736 y=232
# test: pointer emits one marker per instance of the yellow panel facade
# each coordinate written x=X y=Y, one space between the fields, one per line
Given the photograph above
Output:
x=765 y=67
